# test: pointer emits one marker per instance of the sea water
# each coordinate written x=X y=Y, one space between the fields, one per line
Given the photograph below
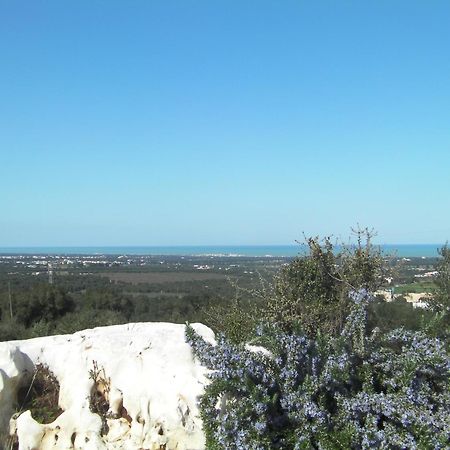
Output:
x=400 y=250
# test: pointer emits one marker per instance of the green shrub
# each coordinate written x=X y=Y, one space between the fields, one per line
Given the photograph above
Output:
x=439 y=303
x=354 y=391
x=311 y=293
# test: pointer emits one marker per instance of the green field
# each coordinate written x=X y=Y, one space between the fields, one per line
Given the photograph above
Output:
x=416 y=287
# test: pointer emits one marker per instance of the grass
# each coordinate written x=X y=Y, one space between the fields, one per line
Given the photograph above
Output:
x=161 y=277
x=416 y=287
x=98 y=401
x=41 y=395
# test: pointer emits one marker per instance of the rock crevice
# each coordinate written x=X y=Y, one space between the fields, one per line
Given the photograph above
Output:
x=144 y=373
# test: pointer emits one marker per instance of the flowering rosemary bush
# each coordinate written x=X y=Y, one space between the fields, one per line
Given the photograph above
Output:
x=351 y=392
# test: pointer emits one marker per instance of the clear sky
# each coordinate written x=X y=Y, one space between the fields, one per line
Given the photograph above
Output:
x=223 y=122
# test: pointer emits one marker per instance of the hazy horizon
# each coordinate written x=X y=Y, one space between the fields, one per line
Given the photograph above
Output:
x=376 y=243
x=405 y=250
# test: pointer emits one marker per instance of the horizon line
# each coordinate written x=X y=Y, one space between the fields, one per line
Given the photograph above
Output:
x=200 y=245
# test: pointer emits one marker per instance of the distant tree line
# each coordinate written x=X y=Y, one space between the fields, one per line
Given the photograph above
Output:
x=42 y=309
x=311 y=293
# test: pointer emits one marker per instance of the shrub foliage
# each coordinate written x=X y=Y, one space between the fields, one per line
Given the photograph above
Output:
x=354 y=390
x=311 y=292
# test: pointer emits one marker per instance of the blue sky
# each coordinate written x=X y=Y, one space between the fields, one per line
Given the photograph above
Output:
x=223 y=122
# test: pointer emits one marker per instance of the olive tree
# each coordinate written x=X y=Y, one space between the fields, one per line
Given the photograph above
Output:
x=311 y=292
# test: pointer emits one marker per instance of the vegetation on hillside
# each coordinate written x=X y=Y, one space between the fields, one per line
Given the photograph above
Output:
x=344 y=368
x=308 y=292
x=337 y=372
x=357 y=390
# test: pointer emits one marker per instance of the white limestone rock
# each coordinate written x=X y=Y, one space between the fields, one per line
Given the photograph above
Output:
x=152 y=384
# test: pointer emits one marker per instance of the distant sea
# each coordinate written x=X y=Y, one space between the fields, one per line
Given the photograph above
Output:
x=401 y=250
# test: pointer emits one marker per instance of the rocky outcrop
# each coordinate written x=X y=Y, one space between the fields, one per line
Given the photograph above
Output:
x=144 y=372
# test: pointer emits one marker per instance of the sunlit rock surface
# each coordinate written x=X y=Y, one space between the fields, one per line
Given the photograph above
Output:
x=153 y=383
